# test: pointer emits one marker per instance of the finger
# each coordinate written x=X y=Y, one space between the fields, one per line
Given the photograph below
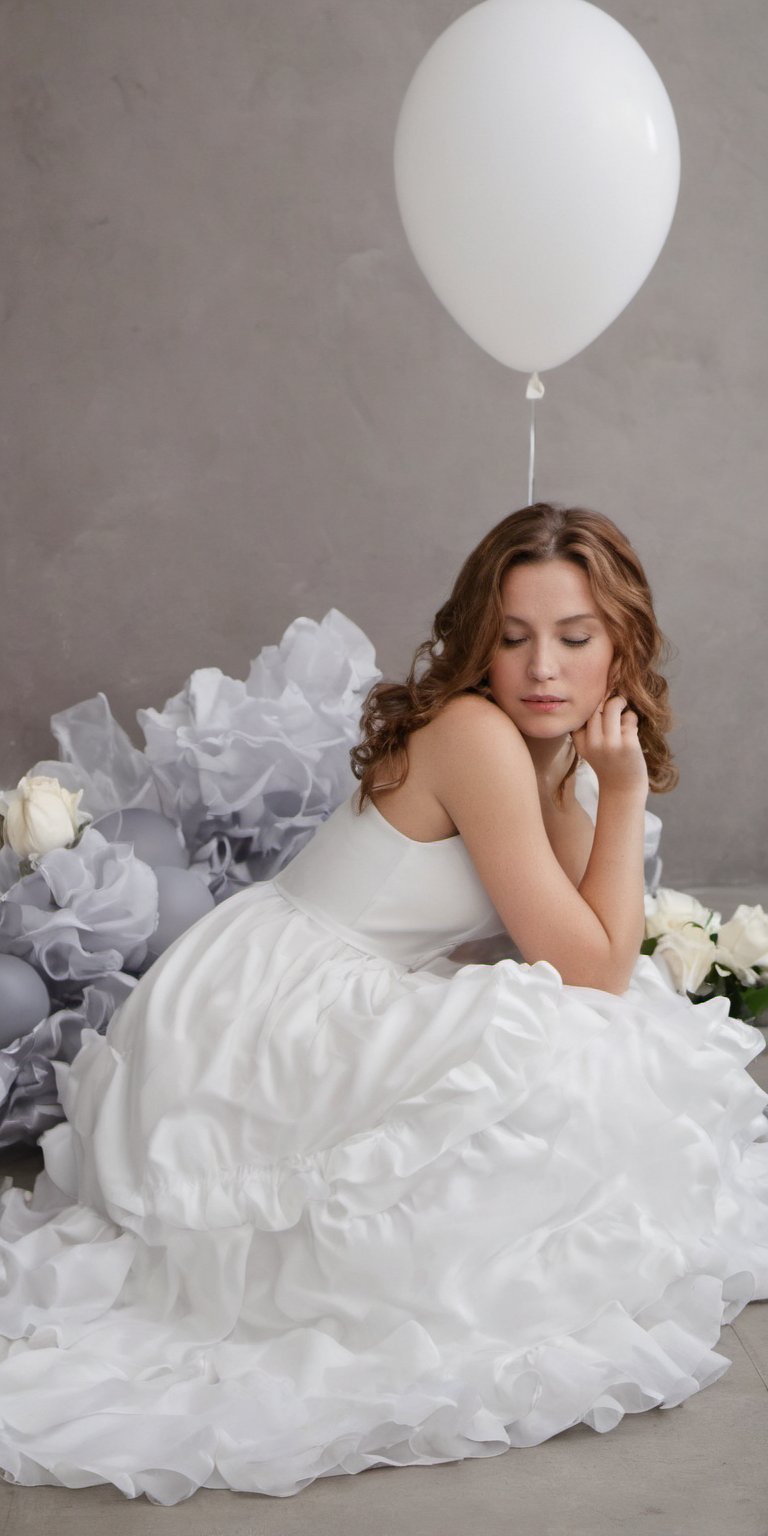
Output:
x=611 y=718
x=605 y=713
x=591 y=728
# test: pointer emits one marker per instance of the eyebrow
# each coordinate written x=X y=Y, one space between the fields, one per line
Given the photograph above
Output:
x=570 y=620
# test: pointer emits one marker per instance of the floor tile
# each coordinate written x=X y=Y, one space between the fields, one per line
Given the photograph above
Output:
x=751 y=1328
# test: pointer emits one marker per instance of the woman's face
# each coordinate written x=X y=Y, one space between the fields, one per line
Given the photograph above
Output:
x=554 y=642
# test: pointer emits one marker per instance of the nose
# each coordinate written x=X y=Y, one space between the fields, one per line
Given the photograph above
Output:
x=541 y=664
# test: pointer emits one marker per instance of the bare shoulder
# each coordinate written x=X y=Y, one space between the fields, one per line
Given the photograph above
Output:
x=469 y=719
x=470 y=706
x=471 y=755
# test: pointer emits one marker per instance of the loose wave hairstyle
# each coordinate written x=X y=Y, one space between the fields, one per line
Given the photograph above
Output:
x=467 y=630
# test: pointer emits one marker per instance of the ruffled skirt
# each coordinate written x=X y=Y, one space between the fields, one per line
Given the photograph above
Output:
x=311 y=1212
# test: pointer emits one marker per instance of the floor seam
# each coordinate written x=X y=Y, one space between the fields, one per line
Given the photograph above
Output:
x=751 y=1357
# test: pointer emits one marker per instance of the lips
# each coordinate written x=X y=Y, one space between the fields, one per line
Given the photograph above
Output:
x=542 y=698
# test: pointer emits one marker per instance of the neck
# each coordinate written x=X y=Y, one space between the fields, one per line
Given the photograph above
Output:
x=551 y=759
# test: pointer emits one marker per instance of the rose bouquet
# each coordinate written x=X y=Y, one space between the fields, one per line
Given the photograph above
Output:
x=704 y=957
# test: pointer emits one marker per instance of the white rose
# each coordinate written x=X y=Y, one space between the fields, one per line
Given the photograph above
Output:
x=742 y=943
x=40 y=814
x=688 y=954
x=670 y=912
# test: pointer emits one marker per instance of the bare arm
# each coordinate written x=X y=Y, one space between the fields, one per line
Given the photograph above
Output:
x=571 y=835
x=483 y=775
x=613 y=884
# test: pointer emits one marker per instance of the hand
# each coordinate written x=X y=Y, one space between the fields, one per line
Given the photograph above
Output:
x=608 y=741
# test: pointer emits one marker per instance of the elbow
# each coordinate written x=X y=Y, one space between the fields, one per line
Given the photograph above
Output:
x=616 y=976
x=603 y=973
x=594 y=965
x=600 y=982
x=622 y=968
x=618 y=987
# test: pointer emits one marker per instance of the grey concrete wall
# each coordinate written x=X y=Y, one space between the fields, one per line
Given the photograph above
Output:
x=228 y=396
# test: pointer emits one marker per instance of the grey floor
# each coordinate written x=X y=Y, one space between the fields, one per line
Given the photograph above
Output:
x=700 y=1469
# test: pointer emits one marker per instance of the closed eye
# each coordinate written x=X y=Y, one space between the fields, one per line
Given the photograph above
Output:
x=507 y=640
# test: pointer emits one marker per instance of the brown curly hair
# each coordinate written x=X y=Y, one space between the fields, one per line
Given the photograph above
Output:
x=467 y=630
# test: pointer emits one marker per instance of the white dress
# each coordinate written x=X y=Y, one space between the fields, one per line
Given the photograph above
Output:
x=323 y=1201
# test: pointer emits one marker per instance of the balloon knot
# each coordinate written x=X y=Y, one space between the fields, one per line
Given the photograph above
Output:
x=535 y=388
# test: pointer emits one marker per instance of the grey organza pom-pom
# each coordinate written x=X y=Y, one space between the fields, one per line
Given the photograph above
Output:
x=244 y=769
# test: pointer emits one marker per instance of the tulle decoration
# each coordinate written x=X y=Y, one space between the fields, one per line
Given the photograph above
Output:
x=82 y=919
x=28 y=1083
x=246 y=770
x=98 y=756
x=268 y=759
x=103 y=909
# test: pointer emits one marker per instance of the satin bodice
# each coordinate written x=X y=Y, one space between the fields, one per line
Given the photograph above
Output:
x=391 y=895
x=405 y=900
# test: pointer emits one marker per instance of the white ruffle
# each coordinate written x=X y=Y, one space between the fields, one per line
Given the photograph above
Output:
x=418 y=1220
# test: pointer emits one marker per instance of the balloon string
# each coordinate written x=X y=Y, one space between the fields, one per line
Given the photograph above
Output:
x=534 y=392
x=531 y=453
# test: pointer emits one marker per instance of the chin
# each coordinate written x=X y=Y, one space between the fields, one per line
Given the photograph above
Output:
x=546 y=727
x=541 y=725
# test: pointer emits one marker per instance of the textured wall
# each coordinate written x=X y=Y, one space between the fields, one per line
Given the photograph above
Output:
x=229 y=397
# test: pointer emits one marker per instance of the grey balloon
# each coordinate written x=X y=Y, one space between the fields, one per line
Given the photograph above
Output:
x=183 y=897
x=24 y=999
x=156 y=839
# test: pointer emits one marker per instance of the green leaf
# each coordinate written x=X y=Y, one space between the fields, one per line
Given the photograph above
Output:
x=648 y=946
x=756 y=998
x=715 y=981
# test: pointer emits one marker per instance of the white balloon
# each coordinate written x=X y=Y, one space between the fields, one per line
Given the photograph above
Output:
x=537 y=167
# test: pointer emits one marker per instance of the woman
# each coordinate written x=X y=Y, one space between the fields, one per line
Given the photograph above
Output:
x=322 y=1201
x=476 y=766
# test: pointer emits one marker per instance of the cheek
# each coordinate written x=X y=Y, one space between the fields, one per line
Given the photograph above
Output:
x=600 y=668
x=505 y=665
